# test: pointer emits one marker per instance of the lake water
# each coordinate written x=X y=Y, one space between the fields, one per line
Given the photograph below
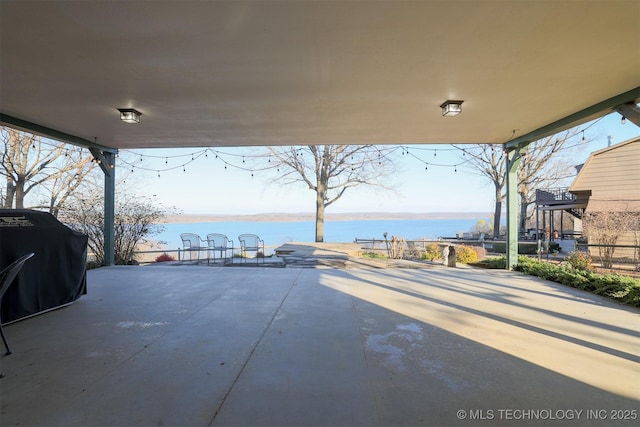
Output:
x=277 y=233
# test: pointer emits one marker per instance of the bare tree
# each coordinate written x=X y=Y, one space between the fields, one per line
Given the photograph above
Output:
x=29 y=164
x=137 y=219
x=329 y=170
x=542 y=167
x=490 y=161
x=536 y=169
x=605 y=228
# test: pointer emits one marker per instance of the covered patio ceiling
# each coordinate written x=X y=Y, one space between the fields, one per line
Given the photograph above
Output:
x=241 y=73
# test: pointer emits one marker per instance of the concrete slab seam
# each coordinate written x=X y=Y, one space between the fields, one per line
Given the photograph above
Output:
x=253 y=349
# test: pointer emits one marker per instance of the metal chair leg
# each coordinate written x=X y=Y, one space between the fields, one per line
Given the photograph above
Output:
x=6 y=345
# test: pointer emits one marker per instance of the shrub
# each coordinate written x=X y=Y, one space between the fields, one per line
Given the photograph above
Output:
x=466 y=254
x=620 y=288
x=164 y=257
x=529 y=248
x=499 y=262
x=493 y=262
x=579 y=261
x=480 y=251
x=432 y=252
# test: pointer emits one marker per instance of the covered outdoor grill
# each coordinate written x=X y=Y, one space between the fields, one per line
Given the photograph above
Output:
x=55 y=276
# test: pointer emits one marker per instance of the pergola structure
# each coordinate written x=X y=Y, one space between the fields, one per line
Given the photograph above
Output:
x=241 y=73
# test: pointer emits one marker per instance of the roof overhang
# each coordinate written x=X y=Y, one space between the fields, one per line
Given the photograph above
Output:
x=242 y=73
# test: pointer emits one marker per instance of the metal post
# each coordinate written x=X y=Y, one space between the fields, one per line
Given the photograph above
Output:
x=513 y=161
x=538 y=231
x=109 y=209
x=107 y=161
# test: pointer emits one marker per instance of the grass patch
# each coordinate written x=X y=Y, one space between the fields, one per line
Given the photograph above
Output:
x=373 y=255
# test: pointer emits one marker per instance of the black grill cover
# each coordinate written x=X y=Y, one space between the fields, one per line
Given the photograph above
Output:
x=55 y=276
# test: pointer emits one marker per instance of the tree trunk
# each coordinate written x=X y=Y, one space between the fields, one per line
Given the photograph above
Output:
x=496 y=218
x=19 y=193
x=522 y=227
x=9 y=196
x=320 y=216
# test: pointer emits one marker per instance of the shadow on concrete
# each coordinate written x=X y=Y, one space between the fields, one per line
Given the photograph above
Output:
x=322 y=347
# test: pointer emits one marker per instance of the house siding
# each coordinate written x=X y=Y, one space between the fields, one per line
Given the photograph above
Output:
x=612 y=173
x=613 y=177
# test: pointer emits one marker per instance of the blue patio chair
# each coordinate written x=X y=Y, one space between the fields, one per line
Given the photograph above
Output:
x=218 y=243
x=251 y=243
x=191 y=243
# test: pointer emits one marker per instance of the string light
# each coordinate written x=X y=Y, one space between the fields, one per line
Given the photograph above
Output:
x=623 y=120
x=243 y=158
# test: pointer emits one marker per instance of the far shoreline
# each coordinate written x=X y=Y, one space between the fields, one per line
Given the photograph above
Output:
x=306 y=216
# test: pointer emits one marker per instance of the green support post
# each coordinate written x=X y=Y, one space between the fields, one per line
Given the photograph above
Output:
x=513 y=161
x=109 y=208
x=107 y=161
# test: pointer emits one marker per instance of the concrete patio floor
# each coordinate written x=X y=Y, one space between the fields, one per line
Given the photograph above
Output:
x=259 y=346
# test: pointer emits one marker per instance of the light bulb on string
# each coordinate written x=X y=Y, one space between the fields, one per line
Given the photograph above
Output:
x=166 y=161
x=583 y=138
x=158 y=174
x=623 y=120
x=435 y=153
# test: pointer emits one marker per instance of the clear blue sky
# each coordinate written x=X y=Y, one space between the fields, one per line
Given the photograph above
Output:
x=206 y=187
